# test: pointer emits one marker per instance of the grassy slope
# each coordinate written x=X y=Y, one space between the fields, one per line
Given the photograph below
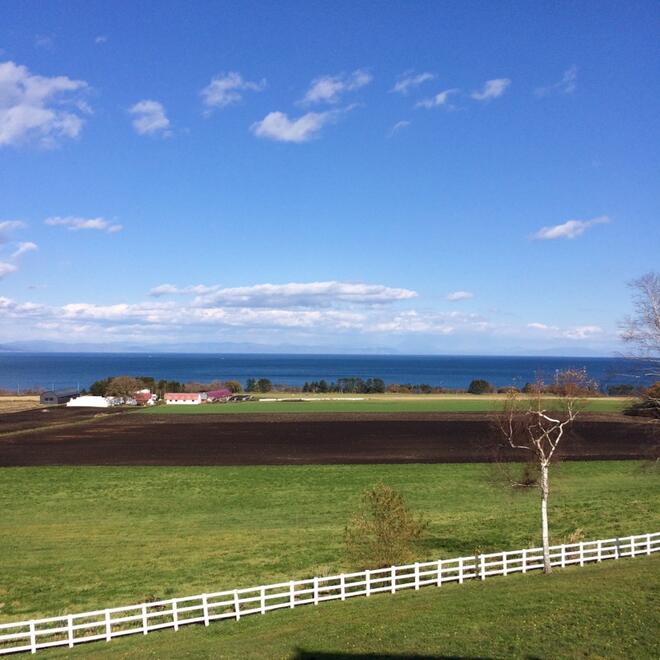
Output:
x=74 y=539
x=463 y=404
x=610 y=610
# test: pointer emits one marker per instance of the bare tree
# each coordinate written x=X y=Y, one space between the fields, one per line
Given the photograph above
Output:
x=642 y=329
x=527 y=424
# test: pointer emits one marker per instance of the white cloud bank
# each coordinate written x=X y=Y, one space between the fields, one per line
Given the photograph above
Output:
x=150 y=118
x=39 y=109
x=227 y=89
x=578 y=332
x=570 y=229
x=329 y=89
x=492 y=89
x=73 y=223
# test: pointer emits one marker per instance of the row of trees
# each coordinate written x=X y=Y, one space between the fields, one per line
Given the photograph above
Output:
x=347 y=386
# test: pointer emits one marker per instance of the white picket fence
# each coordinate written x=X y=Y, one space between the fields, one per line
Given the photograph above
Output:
x=114 y=622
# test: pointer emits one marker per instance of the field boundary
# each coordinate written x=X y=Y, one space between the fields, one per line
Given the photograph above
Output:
x=109 y=623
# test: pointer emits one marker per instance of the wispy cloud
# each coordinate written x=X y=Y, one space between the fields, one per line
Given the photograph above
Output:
x=566 y=85
x=577 y=332
x=150 y=118
x=227 y=89
x=410 y=80
x=455 y=296
x=440 y=99
x=101 y=39
x=277 y=126
x=38 y=108
x=492 y=89
x=569 y=229
x=399 y=126
x=73 y=223
x=24 y=248
x=329 y=89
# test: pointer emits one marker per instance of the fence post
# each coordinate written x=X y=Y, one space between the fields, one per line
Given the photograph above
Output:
x=367 y=580
x=69 y=628
x=205 y=606
x=632 y=546
x=108 y=626
x=175 y=614
x=524 y=560
x=263 y=600
x=237 y=606
x=316 y=591
x=33 y=638
x=393 y=576
x=292 y=589
x=145 y=624
x=648 y=544
x=505 y=563
x=416 y=576
x=439 y=582
x=460 y=570
x=563 y=555
x=581 y=553
x=482 y=563
x=342 y=586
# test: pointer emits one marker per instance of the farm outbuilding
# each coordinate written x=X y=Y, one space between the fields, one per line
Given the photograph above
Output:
x=89 y=401
x=184 y=398
x=57 y=397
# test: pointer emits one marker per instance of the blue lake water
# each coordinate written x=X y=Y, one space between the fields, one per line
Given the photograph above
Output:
x=27 y=370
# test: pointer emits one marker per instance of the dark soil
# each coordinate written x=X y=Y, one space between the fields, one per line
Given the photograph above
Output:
x=143 y=439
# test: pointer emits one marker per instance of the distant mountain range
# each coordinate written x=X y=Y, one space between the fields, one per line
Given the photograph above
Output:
x=281 y=349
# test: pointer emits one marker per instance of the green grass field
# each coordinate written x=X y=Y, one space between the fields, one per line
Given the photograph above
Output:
x=75 y=539
x=599 y=611
x=376 y=405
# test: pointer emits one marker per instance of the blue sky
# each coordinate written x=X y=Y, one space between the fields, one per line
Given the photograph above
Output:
x=421 y=177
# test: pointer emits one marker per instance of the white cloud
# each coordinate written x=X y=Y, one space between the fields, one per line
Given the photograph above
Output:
x=440 y=99
x=329 y=89
x=37 y=108
x=569 y=229
x=150 y=118
x=74 y=223
x=399 y=126
x=455 y=296
x=6 y=269
x=101 y=39
x=23 y=248
x=491 y=89
x=171 y=289
x=8 y=226
x=566 y=85
x=583 y=332
x=277 y=126
x=540 y=326
x=226 y=89
x=293 y=294
x=410 y=80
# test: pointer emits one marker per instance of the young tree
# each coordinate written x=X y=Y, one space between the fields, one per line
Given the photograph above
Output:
x=264 y=385
x=526 y=424
x=384 y=531
x=480 y=386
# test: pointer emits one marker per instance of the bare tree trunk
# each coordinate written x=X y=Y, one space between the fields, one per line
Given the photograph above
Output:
x=547 y=568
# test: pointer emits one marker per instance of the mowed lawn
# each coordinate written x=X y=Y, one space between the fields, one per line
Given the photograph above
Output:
x=608 y=610
x=75 y=539
x=379 y=405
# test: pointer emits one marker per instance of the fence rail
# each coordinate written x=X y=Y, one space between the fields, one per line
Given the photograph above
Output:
x=109 y=623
